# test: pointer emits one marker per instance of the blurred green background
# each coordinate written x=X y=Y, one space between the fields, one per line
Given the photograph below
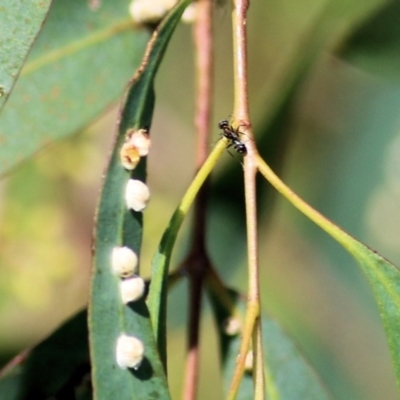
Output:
x=338 y=147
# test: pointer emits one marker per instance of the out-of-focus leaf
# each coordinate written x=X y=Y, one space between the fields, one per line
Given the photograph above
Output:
x=284 y=360
x=288 y=376
x=375 y=47
x=327 y=27
x=383 y=276
x=20 y=22
x=384 y=279
x=333 y=21
x=58 y=364
x=80 y=63
x=117 y=226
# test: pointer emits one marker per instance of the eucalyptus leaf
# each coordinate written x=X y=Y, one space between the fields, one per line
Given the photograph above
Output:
x=20 y=22
x=79 y=65
x=117 y=226
x=57 y=365
x=375 y=46
x=327 y=29
x=384 y=279
x=383 y=276
x=288 y=375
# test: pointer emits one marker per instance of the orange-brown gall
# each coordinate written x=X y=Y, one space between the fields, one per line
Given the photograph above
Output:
x=129 y=156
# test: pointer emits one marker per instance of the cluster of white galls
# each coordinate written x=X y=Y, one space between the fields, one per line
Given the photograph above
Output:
x=124 y=261
x=137 y=145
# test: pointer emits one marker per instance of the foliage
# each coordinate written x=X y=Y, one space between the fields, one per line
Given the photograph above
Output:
x=81 y=57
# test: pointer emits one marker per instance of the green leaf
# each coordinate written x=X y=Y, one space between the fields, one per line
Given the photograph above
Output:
x=326 y=28
x=288 y=376
x=56 y=365
x=284 y=360
x=383 y=276
x=79 y=65
x=384 y=279
x=20 y=22
x=375 y=47
x=116 y=226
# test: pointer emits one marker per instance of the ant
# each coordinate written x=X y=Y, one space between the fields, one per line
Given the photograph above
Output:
x=232 y=134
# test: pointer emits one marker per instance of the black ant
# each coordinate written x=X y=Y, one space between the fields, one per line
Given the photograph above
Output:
x=232 y=134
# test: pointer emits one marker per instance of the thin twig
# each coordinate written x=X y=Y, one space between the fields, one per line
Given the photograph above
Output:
x=241 y=103
x=192 y=357
x=197 y=262
x=241 y=118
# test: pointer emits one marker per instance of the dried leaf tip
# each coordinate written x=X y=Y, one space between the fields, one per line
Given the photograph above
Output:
x=131 y=289
x=129 y=352
x=137 y=195
x=124 y=261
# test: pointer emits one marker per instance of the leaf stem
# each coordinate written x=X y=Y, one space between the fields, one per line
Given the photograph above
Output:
x=323 y=222
x=158 y=288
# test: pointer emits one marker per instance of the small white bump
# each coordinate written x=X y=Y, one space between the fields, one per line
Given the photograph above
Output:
x=145 y=11
x=232 y=326
x=248 y=364
x=124 y=261
x=139 y=139
x=137 y=195
x=129 y=352
x=131 y=289
x=189 y=15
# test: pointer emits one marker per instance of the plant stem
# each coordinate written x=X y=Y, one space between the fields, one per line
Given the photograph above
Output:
x=197 y=261
x=258 y=361
x=192 y=357
x=241 y=118
x=241 y=100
